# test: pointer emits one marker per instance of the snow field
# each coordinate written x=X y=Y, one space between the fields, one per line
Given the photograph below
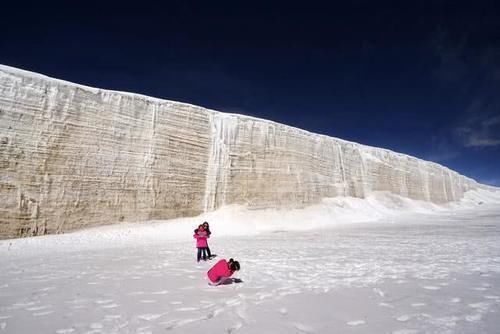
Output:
x=435 y=271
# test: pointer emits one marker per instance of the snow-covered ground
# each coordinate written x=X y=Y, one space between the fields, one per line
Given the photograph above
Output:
x=381 y=265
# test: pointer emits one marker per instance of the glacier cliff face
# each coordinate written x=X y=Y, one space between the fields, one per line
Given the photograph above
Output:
x=73 y=156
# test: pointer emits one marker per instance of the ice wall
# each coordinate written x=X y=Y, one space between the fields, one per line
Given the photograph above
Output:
x=73 y=156
x=265 y=164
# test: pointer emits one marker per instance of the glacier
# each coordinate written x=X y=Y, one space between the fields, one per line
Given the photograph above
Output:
x=73 y=157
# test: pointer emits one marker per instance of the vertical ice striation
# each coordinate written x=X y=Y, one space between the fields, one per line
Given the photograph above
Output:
x=73 y=156
x=343 y=186
x=223 y=132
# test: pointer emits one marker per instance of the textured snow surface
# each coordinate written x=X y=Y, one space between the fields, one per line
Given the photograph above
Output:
x=413 y=268
x=73 y=156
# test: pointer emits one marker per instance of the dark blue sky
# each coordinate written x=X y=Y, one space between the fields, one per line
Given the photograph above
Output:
x=419 y=78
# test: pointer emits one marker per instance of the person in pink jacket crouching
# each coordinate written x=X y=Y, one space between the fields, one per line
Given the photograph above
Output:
x=221 y=272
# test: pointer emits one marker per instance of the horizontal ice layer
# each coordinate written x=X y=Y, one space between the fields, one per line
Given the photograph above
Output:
x=73 y=156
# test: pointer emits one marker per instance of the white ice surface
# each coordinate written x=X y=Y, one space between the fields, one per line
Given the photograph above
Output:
x=403 y=267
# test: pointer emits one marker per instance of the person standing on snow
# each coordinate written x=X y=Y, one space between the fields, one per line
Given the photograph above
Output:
x=207 y=229
x=201 y=242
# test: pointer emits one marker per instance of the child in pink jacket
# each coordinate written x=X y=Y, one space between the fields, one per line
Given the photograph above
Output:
x=201 y=242
x=222 y=270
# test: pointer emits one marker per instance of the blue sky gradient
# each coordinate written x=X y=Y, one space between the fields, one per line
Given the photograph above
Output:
x=421 y=79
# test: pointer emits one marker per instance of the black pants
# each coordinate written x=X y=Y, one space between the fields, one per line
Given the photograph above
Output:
x=200 y=251
x=209 y=253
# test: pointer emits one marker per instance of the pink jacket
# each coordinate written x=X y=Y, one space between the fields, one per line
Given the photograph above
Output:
x=201 y=239
x=219 y=270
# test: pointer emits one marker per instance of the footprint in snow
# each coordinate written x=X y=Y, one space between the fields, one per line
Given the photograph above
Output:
x=232 y=302
x=76 y=301
x=386 y=305
x=19 y=305
x=186 y=309
x=41 y=314
x=304 y=328
x=265 y=295
x=65 y=331
x=135 y=293
x=38 y=308
x=405 y=331
x=473 y=317
x=150 y=316
x=403 y=318
x=210 y=305
x=431 y=287
x=15 y=272
x=147 y=301
x=481 y=306
x=492 y=297
x=356 y=322
x=110 y=306
x=234 y=328
x=379 y=292
x=418 y=304
x=217 y=311
x=103 y=301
